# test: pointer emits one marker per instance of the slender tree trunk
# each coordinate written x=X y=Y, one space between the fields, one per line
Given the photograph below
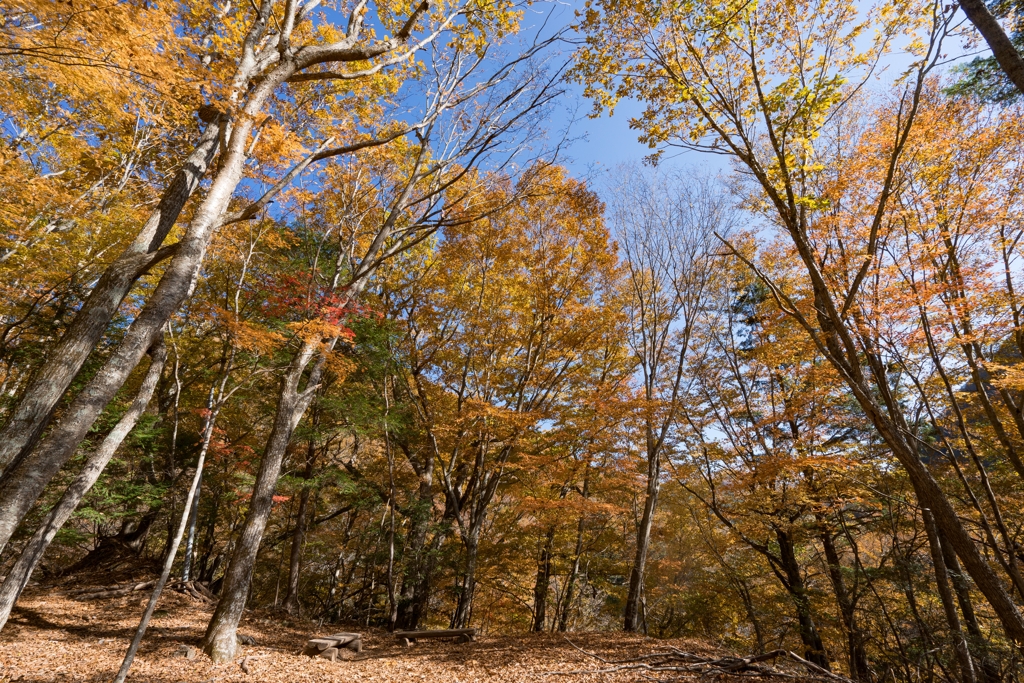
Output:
x=981 y=389
x=963 y=655
x=632 y=619
x=540 y=588
x=190 y=538
x=836 y=341
x=419 y=556
x=748 y=606
x=392 y=598
x=19 y=575
x=570 y=581
x=165 y=574
x=25 y=481
x=220 y=642
x=856 y=653
x=460 y=619
x=977 y=643
x=291 y=600
x=814 y=648
x=204 y=569
x=930 y=495
x=65 y=359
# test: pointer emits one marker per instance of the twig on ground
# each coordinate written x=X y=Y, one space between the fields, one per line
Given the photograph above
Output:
x=679 y=663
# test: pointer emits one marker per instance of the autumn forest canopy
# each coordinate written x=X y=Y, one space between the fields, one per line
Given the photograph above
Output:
x=304 y=307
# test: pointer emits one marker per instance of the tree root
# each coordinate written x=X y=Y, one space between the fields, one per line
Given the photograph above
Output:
x=193 y=589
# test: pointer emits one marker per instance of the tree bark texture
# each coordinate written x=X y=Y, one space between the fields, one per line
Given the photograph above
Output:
x=963 y=655
x=220 y=640
x=632 y=618
x=25 y=481
x=540 y=588
x=1002 y=47
x=855 y=652
x=19 y=575
x=814 y=648
x=65 y=359
x=291 y=600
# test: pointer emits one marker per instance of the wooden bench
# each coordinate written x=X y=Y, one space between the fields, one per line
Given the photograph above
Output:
x=464 y=635
x=330 y=646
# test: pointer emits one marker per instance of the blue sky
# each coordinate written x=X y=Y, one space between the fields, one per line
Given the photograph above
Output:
x=599 y=144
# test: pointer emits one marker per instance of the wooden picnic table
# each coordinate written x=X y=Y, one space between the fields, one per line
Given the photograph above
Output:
x=328 y=647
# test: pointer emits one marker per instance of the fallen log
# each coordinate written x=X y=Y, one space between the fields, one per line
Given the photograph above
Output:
x=677 y=663
x=88 y=589
x=102 y=592
x=463 y=635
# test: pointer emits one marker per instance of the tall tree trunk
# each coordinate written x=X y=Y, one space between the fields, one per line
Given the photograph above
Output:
x=464 y=607
x=416 y=577
x=409 y=608
x=419 y=556
x=977 y=642
x=855 y=650
x=220 y=641
x=418 y=606
x=19 y=575
x=814 y=648
x=190 y=537
x=837 y=338
x=570 y=583
x=165 y=573
x=1002 y=47
x=25 y=481
x=963 y=655
x=930 y=496
x=291 y=600
x=392 y=598
x=632 y=618
x=540 y=588
x=65 y=359
x=205 y=569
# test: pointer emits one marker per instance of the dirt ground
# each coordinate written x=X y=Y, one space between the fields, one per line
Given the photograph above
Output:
x=52 y=638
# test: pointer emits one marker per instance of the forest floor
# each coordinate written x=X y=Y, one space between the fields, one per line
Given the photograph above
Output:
x=52 y=638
